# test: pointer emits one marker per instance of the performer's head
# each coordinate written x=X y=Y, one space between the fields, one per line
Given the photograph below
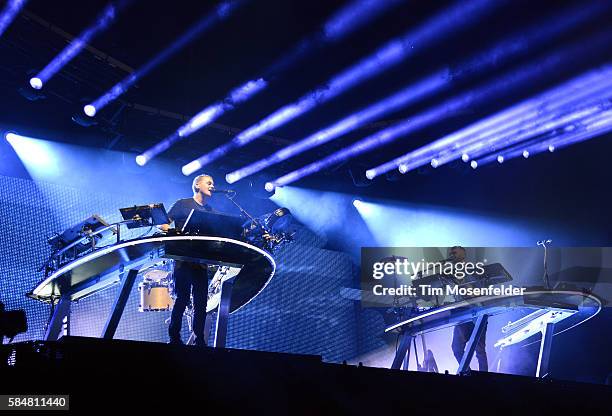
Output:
x=456 y=253
x=203 y=185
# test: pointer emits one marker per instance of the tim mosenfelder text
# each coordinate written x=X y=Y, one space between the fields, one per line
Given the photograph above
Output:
x=420 y=269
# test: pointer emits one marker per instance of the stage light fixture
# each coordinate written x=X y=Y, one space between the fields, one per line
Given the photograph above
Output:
x=36 y=83
x=484 y=93
x=141 y=160
x=90 y=110
x=505 y=50
x=537 y=126
x=474 y=164
x=269 y=186
x=586 y=129
x=587 y=88
x=11 y=137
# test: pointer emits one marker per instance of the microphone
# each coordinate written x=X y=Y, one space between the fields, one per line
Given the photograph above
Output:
x=223 y=191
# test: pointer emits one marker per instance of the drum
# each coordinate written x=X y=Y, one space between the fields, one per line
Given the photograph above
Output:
x=279 y=220
x=155 y=289
x=154 y=297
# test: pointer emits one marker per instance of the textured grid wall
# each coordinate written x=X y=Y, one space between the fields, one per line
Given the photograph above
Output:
x=300 y=311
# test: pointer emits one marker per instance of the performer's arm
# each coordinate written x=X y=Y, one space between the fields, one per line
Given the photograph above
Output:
x=171 y=216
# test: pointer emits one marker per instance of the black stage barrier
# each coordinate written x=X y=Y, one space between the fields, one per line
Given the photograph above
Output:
x=103 y=375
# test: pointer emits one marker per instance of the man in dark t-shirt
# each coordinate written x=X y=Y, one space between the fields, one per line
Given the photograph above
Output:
x=190 y=275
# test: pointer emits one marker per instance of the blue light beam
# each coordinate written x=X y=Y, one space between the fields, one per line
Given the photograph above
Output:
x=344 y=22
x=534 y=128
x=350 y=123
x=38 y=156
x=456 y=140
x=76 y=46
x=8 y=14
x=489 y=91
x=507 y=121
x=502 y=52
x=591 y=127
x=387 y=56
x=219 y=14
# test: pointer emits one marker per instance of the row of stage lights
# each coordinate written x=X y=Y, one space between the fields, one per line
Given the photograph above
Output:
x=572 y=112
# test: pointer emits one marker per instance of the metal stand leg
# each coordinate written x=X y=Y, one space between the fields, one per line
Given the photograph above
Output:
x=223 y=313
x=60 y=321
x=113 y=320
x=545 y=346
x=479 y=327
x=402 y=355
x=207 y=326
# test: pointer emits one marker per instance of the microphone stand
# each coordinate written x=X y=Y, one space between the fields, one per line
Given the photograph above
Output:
x=544 y=243
x=243 y=212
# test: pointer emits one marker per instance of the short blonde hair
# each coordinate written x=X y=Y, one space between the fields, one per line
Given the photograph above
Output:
x=197 y=179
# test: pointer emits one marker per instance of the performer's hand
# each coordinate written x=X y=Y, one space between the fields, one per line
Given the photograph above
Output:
x=164 y=227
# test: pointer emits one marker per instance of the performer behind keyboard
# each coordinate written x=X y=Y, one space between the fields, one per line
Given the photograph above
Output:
x=462 y=332
x=190 y=275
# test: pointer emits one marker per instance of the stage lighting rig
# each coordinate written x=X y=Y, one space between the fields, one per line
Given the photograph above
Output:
x=79 y=119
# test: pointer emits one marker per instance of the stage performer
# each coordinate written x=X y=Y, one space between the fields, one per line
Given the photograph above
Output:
x=190 y=277
x=462 y=332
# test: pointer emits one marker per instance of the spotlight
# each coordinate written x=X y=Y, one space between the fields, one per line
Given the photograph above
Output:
x=551 y=148
x=465 y=157
x=229 y=178
x=474 y=164
x=370 y=174
x=36 y=83
x=434 y=163
x=403 y=168
x=191 y=167
x=261 y=188
x=357 y=203
x=11 y=137
x=141 y=160
x=89 y=110
x=500 y=158
x=525 y=154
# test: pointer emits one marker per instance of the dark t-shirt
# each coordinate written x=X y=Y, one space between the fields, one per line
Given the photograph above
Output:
x=181 y=209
